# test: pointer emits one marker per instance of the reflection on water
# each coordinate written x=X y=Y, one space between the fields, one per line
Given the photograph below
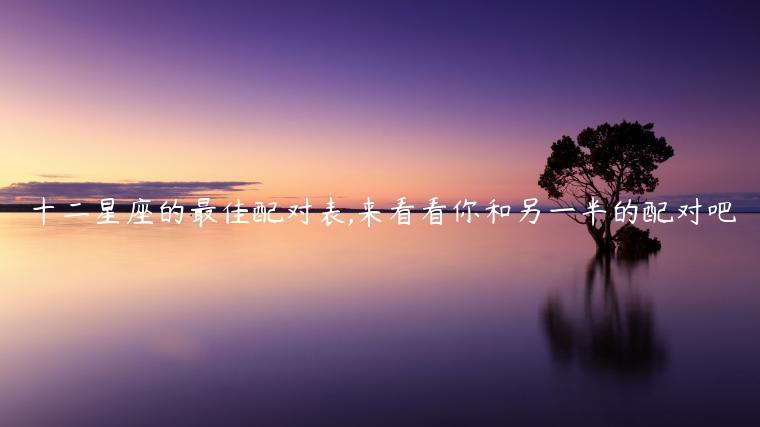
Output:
x=613 y=332
x=274 y=325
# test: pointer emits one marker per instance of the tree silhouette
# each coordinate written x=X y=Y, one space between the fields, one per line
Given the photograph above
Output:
x=603 y=164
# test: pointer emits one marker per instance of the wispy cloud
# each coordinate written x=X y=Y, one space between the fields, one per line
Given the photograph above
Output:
x=81 y=191
x=303 y=197
x=56 y=176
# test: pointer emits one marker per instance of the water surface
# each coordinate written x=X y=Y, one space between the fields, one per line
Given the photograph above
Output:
x=286 y=324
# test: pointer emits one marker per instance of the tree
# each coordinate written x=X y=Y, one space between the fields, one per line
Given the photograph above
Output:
x=603 y=164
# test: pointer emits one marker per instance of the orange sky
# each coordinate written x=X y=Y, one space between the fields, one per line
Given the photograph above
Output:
x=349 y=111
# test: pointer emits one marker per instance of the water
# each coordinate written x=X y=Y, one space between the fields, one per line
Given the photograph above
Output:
x=286 y=324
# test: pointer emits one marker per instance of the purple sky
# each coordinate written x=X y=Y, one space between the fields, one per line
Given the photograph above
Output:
x=474 y=80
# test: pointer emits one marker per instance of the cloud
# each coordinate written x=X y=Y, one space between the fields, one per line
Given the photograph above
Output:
x=303 y=197
x=26 y=191
x=56 y=175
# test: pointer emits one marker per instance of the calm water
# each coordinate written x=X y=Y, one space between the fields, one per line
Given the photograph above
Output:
x=285 y=324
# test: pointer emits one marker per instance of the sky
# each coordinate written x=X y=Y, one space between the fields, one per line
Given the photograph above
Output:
x=357 y=99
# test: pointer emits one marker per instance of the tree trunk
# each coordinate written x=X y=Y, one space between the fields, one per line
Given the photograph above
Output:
x=605 y=245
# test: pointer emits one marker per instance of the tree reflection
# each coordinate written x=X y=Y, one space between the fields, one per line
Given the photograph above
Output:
x=610 y=333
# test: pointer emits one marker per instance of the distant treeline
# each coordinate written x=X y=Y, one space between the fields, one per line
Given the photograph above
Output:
x=156 y=208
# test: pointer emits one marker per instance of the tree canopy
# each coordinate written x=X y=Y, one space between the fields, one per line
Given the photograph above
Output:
x=604 y=163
